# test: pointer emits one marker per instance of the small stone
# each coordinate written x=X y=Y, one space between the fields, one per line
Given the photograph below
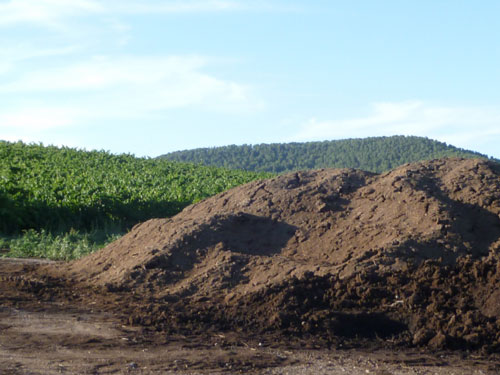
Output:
x=133 y=365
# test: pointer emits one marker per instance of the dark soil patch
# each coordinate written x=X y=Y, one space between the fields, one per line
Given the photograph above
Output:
x=328 y=257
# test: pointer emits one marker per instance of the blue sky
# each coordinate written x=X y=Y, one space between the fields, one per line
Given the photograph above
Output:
x=150 y=77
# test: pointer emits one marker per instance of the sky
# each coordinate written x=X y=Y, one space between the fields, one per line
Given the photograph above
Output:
x=148 y=77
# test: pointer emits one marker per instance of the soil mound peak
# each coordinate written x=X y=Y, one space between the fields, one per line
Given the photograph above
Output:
x=409 y=256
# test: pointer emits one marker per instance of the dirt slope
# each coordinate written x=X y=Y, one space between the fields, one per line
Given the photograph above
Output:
x=407 y=257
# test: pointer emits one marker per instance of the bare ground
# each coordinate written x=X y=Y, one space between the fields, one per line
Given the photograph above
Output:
x=329 y=272
x=56 y=335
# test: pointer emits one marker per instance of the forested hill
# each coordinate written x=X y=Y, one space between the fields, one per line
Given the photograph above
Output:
x=376 y=154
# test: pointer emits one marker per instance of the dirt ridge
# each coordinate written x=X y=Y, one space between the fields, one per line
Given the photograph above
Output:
x=409 y=257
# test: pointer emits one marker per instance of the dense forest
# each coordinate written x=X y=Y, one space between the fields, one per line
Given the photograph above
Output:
x=377 y=154
x=52 y=191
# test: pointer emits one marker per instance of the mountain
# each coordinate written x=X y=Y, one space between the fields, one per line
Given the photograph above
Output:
x=375 y=154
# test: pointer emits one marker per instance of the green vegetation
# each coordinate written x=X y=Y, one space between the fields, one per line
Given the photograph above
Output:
x=377 y=154
x=63 y=203
x=62 y=246
x=61 y=198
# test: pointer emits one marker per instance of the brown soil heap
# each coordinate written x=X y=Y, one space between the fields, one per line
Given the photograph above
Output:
x=409 y=257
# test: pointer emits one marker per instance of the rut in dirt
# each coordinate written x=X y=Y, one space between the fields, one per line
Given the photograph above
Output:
x=409 y=257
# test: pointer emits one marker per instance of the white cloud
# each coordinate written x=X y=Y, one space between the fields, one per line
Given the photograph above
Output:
x=5 y=66
x=53 y=13
x=460 y=126
x=36 y=119
x=106 y=72
x=45 y=12
x=197 y=6
x=184 y=6
x=13 y=53
x=117 y=88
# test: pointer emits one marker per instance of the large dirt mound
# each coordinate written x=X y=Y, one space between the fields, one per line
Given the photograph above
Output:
x=409 y=256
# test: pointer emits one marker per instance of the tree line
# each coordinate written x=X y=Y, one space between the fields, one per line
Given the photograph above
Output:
x=375 y=154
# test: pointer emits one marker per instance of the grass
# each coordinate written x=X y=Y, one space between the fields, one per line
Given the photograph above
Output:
x=63 y=203
x=56 y=189
x=63 y=246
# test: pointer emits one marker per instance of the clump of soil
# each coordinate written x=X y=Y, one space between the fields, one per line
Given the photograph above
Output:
x=407 y=257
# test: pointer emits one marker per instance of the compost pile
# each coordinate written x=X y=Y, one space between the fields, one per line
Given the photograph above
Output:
x=409 y=257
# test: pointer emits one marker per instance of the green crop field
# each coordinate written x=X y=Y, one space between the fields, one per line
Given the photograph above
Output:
x=53 y=198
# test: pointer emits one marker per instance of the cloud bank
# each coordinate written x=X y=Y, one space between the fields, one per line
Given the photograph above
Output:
x=117 y=87
x=52 y=13
x=460 y=126
x=45 y=12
